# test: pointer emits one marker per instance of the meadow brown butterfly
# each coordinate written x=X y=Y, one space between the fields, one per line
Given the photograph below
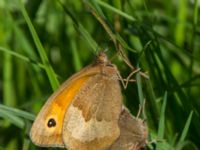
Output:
x=133 y=133
x=83 y=113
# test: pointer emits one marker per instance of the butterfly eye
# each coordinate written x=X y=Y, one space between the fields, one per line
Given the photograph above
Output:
x=51 y=123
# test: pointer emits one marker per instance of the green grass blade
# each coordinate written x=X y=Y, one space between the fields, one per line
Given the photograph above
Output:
x=186 y=128
x=49 y=70
x=139 y=86
x=9 y=94
x=88 y=37
x=17 y=112
x=98 y=8
x=24 y=44
x=195 y=13
x=113 y=9
x=20 y=56
x=180 y=27
x=79 y=27
x=76 y=56
x=161 y=126
x=183 y=145
x=12 y=118
x=140 y=92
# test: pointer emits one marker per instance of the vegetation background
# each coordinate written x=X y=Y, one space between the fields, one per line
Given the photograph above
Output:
x=43 y=42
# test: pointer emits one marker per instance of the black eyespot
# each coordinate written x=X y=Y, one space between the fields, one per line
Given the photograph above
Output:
x=51 y=123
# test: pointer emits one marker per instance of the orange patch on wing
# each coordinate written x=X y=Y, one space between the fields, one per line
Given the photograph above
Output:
x=55 y=109
x=64 y=99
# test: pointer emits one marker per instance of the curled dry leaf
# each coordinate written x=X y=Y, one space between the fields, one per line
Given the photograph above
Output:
x=133 y=133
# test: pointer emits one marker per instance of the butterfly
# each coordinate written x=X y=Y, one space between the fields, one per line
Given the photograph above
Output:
x=83 y=113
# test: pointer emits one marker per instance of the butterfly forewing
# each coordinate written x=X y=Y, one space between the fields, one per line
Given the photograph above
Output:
x=47 y=127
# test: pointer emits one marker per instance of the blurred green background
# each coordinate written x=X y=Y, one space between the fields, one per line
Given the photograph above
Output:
x=42 y=43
